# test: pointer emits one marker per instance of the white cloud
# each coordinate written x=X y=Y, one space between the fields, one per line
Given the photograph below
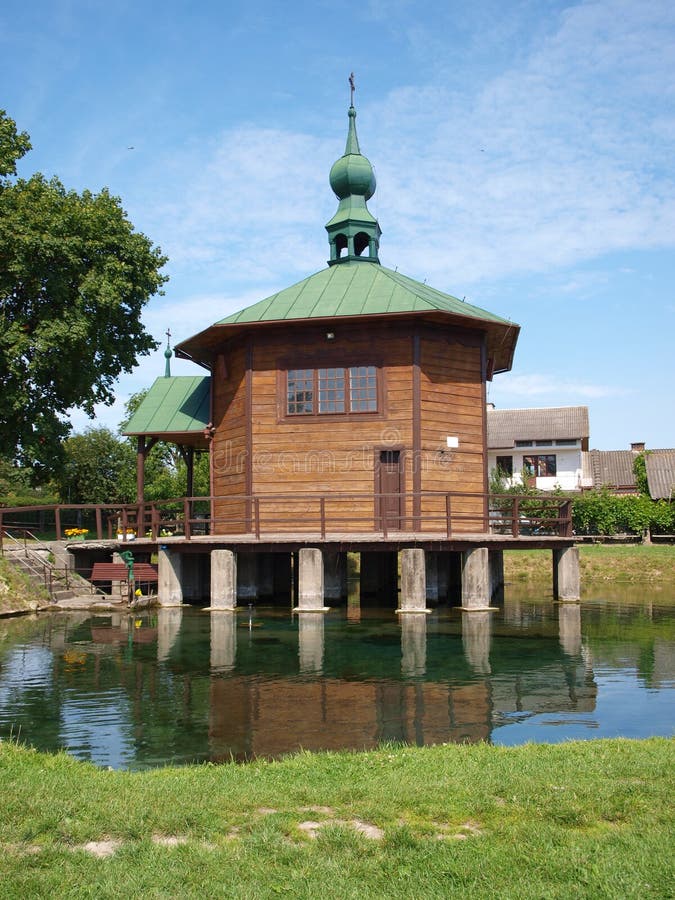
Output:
x=509 y=386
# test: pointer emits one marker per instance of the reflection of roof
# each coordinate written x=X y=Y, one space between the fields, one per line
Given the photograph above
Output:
x=660 y=466
x=505 y=426
x=610 y=468
x=177 y=405
x=359 y=289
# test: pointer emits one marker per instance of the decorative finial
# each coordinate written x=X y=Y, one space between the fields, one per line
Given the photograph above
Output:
x=168 y=353
x=352 y=88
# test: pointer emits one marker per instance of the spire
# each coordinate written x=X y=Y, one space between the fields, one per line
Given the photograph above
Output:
x=168 y=353
x=353 y=233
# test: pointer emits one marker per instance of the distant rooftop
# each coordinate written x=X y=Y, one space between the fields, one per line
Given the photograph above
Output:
x=505 y=426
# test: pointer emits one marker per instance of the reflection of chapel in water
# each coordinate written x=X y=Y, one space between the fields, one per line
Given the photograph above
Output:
x=276 y=685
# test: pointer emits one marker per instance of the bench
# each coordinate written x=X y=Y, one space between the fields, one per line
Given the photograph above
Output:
x=143 y=572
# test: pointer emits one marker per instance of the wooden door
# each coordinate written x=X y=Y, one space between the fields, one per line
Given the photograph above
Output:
x=390 y=489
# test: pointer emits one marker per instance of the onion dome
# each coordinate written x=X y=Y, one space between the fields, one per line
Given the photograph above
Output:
x=353 y=233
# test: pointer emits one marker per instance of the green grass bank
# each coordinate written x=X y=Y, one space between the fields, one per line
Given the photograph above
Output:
x=17 y=593
x=599 y=563
x=583 y=819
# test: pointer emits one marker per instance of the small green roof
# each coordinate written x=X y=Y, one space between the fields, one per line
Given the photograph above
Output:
x=178 y=405
x=356 y=289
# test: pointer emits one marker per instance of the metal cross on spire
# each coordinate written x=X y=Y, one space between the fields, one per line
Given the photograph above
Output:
x=352 y=88
x=167 y=355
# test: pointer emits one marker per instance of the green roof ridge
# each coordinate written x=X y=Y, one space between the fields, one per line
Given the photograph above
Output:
x=331 y=293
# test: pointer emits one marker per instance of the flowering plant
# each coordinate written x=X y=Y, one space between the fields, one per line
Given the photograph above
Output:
x=76 y=532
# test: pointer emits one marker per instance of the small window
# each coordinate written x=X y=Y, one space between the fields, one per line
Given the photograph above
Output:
x=363 y=389
x=300 y=392
x=331 y=390
x=540 y=466
x=566 y=442
x=523 y=443
x=505 y=465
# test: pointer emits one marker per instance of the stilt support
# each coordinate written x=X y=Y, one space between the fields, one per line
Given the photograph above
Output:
x=223 y=579
x=310 y=581
x=413 y=581
x=475 y=579
x=169 y=578
x=566 y=578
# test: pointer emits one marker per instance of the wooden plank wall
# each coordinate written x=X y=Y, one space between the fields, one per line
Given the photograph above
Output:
x=326 y=454
x=452 y=405
x=229 y=447
x=260 y=450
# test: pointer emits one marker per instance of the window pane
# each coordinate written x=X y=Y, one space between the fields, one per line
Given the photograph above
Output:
x=505 y=465
x=331 y=390
x=300 y=392
x=363 y=389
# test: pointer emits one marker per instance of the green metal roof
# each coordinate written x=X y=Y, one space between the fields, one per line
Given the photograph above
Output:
x=178 y=404
x=356 y=289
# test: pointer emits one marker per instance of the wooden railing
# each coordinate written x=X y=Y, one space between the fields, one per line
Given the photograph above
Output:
x=430 y=513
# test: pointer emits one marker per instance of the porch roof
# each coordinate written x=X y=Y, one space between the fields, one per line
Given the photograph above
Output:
x=176 y=408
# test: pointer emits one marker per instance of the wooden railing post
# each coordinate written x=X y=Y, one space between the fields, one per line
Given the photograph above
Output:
x=57 y=523
x=566 y=516
x=186 y=520
x=515 y=517
x=99 y=524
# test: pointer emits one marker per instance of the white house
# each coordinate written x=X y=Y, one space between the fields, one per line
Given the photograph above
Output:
x=544 y=446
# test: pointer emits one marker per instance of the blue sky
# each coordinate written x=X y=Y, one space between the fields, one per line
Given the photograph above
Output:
x=524 y=153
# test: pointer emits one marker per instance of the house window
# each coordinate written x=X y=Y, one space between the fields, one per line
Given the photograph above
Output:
x=332 y=391
x=540 y=466
x=505 y=465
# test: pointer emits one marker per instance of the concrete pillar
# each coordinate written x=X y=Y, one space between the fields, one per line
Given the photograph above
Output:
x=413 y=581
x=310 y=643
x=566 y=578
x=223 y=579
x=168 y=628
x=431 y=572
x=223 y=641
x=476 y=636
x=569 y=625
x=413 y=644
x=247 y=576
x=310 y=580
x=496 y=563
x=169 y=578
x=475 y=579
x=334 y=576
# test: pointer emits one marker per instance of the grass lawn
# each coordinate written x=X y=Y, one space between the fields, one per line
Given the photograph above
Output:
x=625 y=563
x=584 y=819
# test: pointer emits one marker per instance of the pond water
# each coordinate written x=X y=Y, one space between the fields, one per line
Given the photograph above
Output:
x=184 y=685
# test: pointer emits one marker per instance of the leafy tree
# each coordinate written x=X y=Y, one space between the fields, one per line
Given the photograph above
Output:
x=98 y=468
x=640 y=472
x=74 y=278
